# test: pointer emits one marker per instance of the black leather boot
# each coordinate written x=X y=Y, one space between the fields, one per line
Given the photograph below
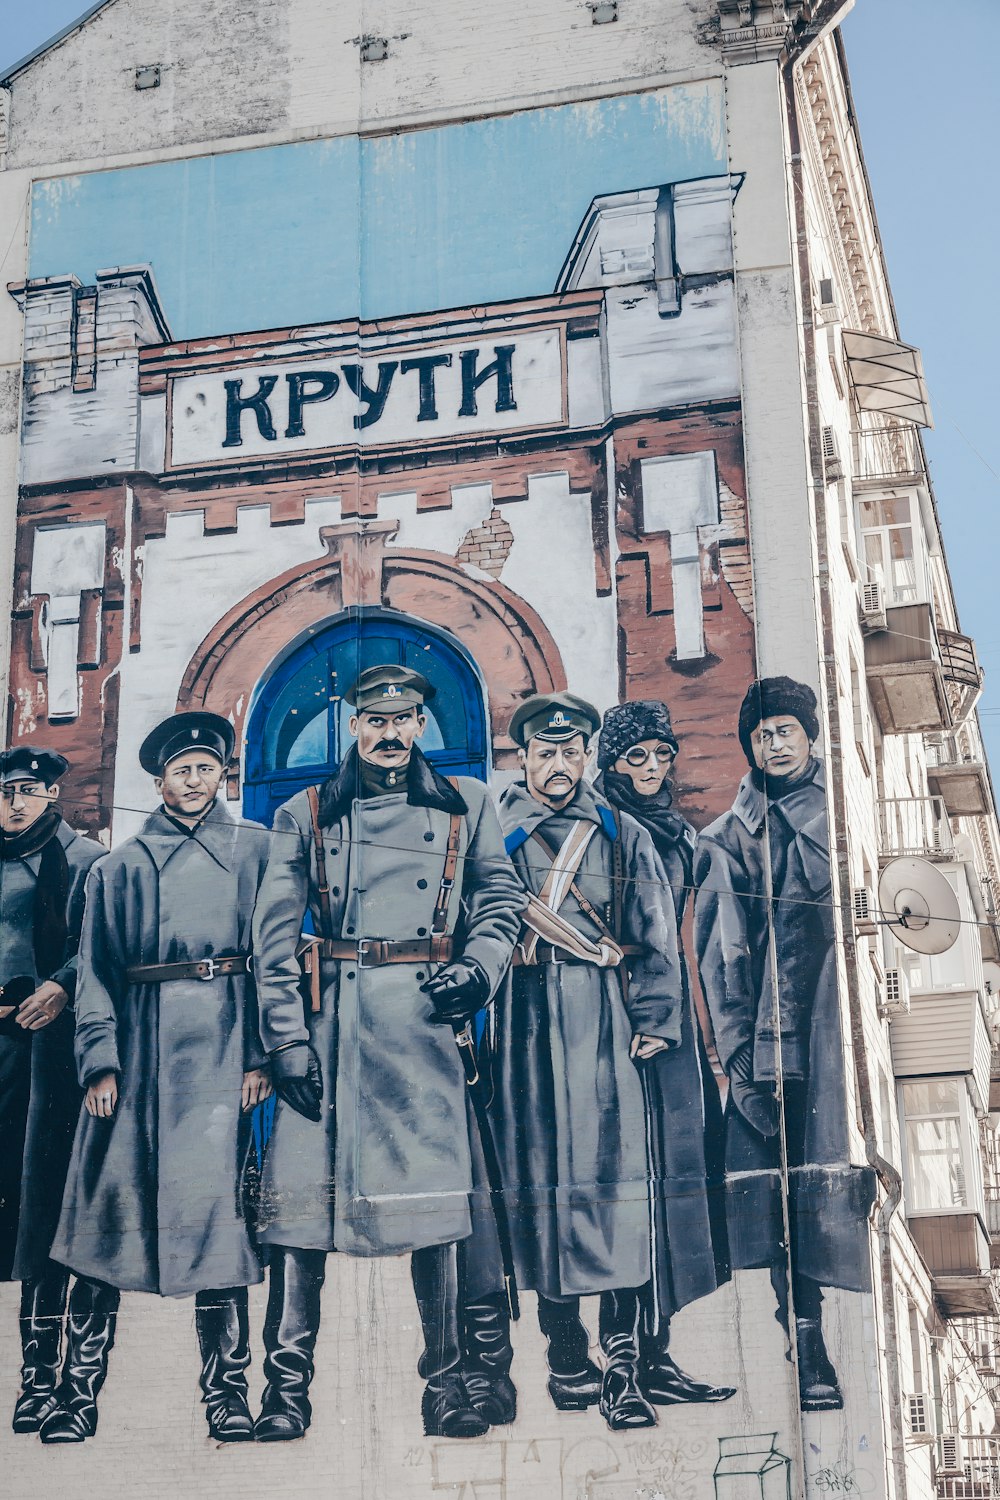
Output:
x=224 y=1340
x=290 y=1328
x=43 y=1311
x=90 y=1337
x=623 y=1406
x=446 y=1406
x=486 y=1359
x=818 y=1387
x=574 y=1379
x=662 y=1380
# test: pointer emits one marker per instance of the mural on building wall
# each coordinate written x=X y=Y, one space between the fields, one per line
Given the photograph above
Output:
x=458 y=888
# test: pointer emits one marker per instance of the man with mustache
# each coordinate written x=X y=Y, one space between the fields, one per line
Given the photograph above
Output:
x=168 y=1052
x=595 y=989
x=373 y=1150
x=43 y=867
x=765 y=939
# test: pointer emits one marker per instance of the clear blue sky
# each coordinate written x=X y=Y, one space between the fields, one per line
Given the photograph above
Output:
x=929 y=117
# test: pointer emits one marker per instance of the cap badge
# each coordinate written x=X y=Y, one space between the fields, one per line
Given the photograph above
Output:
x=195 y=733
x=392 y=691
x=34 y=765
x=557 y=718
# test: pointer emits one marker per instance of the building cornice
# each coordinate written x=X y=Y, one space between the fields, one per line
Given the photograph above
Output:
x=841 y=199
x=757 y=30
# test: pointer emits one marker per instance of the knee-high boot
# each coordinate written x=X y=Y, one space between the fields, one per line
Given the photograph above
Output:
x=663 y=1381
x=90 y=1337
x=290 y=1328
x=224 y=1340
x=446 y=1407
x=574 y=1379
x=622 y=1403
x=43 y=1312
x=487 y=1356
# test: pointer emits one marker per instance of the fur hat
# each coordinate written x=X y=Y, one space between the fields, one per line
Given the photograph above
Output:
x=770 y=697
x=628 y=723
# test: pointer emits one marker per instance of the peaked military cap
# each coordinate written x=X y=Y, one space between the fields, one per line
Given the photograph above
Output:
x=32 y=762
x=387 y=688
x=553 y=716
x=188 y=731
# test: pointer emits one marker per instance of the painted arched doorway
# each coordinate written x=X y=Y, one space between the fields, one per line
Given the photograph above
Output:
x=297 y=730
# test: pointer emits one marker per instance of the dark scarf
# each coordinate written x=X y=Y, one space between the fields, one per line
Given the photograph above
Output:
x=424 y=788
x=778 y=787
x=51 y=888
x=667 y=828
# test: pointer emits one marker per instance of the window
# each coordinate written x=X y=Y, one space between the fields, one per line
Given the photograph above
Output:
x=894 y=551
x=943 y=1173
x=859 y=712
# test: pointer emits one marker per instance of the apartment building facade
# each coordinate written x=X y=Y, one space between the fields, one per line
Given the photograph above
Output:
x=538 y=352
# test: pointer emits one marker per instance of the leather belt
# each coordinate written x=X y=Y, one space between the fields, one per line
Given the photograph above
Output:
x=546 y=953
x=205 y=969
x=373 y=953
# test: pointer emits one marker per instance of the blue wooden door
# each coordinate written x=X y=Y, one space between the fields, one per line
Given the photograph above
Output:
x=297 y=733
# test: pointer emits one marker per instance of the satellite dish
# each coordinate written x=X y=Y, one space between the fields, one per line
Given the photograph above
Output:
x=919 y=906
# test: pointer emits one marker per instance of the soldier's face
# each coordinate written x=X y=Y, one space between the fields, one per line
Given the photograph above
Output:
x=646 y=764
x=23 y=799
x=781 y=746
x=386 y=739
x=190 y=783
x=554 y=770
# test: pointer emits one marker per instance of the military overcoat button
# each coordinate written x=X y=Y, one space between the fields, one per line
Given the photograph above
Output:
x=421 y=932
x=428 y=837
x=421 y=885
x=350 y=973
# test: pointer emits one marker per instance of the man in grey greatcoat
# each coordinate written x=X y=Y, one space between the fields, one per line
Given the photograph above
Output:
x=168 y=1052
x=417 y=907
x=573 y=1019
x=765 y=939
x=43 y=867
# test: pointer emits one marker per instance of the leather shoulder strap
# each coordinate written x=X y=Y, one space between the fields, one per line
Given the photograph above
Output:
x=587 y=907
x=439 y=923
x=325 y=914
x=618 y=892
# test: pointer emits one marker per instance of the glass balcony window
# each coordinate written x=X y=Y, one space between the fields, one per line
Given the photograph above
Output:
x=943 y=1169
x=893 y=547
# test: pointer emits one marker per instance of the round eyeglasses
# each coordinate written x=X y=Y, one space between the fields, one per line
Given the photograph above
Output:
x=637 y=756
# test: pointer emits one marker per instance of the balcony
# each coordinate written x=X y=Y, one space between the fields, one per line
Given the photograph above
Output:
x=915 y=827
x=906 y=679
x=887 y=453
x=977 y=1465
x=956 y=1250
x=960 y=779
x=993 y=1223
x=962 y=673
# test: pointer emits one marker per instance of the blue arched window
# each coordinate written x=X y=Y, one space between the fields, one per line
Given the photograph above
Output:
x=297 y=730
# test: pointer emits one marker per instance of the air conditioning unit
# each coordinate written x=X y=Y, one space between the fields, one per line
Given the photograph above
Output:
x=895 y=993
x=873 y=616
x=950 y=1454
x=832 y=467
x=863 y=903
x=919 y=1415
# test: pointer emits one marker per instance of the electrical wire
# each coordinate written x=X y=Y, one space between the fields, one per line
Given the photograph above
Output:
x=678 y=887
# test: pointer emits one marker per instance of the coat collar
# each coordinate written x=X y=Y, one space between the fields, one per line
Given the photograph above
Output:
x=424 y=788
x=216 y=834
x=521 y=813
x=750 y=805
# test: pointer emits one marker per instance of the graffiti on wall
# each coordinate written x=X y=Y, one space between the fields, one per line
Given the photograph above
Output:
x=405 y=859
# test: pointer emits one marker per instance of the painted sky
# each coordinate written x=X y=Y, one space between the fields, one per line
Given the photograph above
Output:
x=429 y=219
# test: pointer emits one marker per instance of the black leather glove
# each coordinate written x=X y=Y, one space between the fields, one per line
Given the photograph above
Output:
x=458 y=990
x=298 y=1079
x=756 y=1102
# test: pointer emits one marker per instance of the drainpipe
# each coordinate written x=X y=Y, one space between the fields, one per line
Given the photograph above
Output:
x=889 y=1178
